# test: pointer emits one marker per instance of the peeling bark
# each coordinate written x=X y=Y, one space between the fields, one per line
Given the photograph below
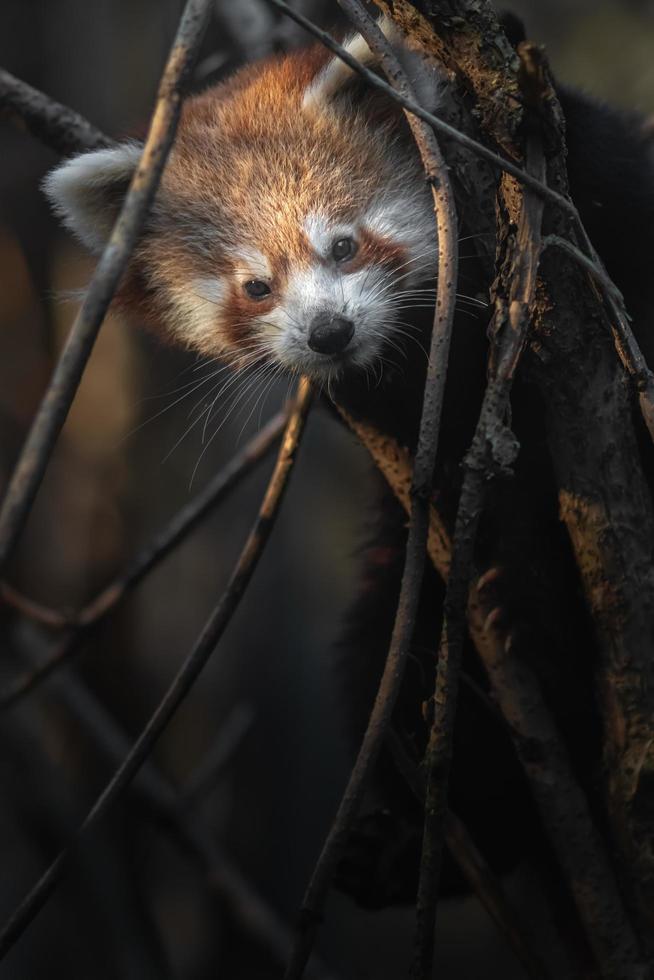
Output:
x=604 y=498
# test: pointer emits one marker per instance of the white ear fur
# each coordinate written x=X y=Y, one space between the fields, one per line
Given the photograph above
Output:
x=85 y=191
x=336 y=75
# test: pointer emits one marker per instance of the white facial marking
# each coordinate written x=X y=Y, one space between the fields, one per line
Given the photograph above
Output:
x=370 y=296
x=197 y=309
x=317 y=289
x=317 y=231
x=322 y=234
x=250 y=263
x=408 y=219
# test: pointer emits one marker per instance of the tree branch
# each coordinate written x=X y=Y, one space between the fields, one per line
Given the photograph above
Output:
x=420 y=492
x=164 y=541
x=493 y=451
x=56 y=125
x=162 y=803
x=474 y=867
x=50 y=418
x=477 y=19
x=183 y=681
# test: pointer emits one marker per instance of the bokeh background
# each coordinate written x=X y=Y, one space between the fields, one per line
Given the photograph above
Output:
x=129 y=457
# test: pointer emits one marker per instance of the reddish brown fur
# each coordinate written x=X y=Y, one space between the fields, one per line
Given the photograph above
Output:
x=247 y=164
x=376 y=250
x=238 y=310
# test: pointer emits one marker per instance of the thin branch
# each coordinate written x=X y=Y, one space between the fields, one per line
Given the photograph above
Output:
x=588 y=871
x=162 y=804
x=492 y=896
x=626 y=343
x=474 y=868
x=595 y=892
x=148 y=558
x=66 y=131
x=493 y=450
x=54 y=408
x=420 y=493
x=184 y=679
x=56 y=125
x=565 y=813
x=410 y=105
x=30 y=609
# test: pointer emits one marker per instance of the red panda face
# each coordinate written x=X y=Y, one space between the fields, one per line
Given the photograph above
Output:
x=292 y=223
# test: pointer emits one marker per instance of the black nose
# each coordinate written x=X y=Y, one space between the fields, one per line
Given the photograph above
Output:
x=330 y=334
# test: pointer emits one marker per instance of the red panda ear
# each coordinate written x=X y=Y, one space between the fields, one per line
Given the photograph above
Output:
x=87 y=191
x=335 y=78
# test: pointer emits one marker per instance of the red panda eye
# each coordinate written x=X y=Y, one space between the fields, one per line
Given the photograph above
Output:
x=344 y=248
x=257 y=289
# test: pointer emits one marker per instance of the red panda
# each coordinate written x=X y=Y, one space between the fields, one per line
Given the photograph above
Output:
x=294 y=226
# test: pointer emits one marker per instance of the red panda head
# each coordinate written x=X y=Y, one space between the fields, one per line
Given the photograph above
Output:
x=291 y=221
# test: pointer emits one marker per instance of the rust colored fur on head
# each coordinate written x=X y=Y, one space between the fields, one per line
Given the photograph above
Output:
x=249 y=163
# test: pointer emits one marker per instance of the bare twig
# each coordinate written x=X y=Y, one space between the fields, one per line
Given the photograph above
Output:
x=474 y=868
x=627 y=346
x=67 y=131
x=31 y=609
x=46 y=117
x=148 y=558
x=599 y=274
x=603 y=496
x=565 y=813
x=183 y=681
x=575 y=523
x=420 y=492
x=493 y=450
x=162 y=803
x=56 y=125
x=594 y=891
x=58 y=398
x=410 y=105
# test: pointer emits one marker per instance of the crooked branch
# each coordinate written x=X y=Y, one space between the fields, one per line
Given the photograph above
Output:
x=56 y=125
x=420 y=493
x=588 y=871
x=616 y=640
x=184 y=679
x=565 y=812
x=474 y=867
x=627 y=347
x=493 y=450
x=186 y=519
x=58 y=398
x=169 y=810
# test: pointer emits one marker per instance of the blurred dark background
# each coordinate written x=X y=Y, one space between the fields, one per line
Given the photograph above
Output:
x=133 y=906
